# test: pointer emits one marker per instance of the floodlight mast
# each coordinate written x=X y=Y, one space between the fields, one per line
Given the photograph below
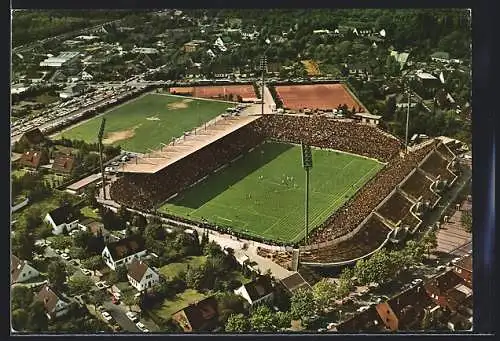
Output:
x=99 y=139
x=307 y=164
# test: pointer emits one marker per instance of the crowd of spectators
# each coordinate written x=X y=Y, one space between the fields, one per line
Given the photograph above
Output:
x=329 y=133
x=371 y=236
x=419 y=186
x=347 y=218
x=436 y=166
x=144 y=191
x=395 y=208
x=147 y=191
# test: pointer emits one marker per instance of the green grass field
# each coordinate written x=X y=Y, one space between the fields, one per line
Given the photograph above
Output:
x=168 y=307
x=148 y=121
x=262 y=193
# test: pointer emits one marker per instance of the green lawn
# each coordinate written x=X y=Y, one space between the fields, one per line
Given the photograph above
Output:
x=89 y=212
x=17 y=173
x=262 y=193
x=172 y=269
x=180 y=301
x=148 y=121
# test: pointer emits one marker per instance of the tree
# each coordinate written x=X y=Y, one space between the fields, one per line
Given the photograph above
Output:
x=466 y=220
x=23 y=244
x=324 y=293
x=237 y=323
x=211 y=249
x=92 y=263
x=302 y=305
x=37 y=319
x=195 y=277
x=139 y=221
x=121 y=272
x=56 y=273
x=90 y=196
x=262 y=320
x=81 y=239
x=390 y=108
x=430 y=241
x=61 y=242
x=282 y=320
x=21 y=297
x=20 y=319
x=97 y=298
x=80 y=284
x=123 y=213
x=129 y=299
x=229 y=304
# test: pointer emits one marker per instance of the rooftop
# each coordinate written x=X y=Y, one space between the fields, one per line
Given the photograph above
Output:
x=170 y=154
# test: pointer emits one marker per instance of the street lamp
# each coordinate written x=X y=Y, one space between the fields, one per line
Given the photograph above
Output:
x=307 y=163
x=263 y=67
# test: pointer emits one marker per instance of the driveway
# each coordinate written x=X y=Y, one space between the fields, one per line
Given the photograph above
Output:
x=118 y=314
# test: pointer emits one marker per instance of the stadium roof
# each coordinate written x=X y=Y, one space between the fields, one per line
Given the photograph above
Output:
x=158 y=160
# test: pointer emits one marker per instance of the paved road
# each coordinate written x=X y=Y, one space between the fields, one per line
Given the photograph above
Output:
x=118 y=314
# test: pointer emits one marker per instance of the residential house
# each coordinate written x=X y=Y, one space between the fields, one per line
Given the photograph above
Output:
x=72 y=91
x=63 y=59
x=199 y=316
x=193 y=45
x=96 y=229
x=367 y=321
x=123 y=251
x=463 y=268
x=439 y=287
x=406 y=310
x=141 y=276
x=294 y=282
x=54 y=303
x=86 y=76
x=63 y=218
x=63 y=164
x=33 y=159
x=439 y=56
x=367 y=118
x=145 y=50
x=32 y=138
x=401 y=57
x=260 y=290
x=21 y=270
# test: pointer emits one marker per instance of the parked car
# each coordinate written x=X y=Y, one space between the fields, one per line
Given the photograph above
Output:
x=142 y=327
x=416 y=281
x=441 y=268
x=86 y=272
x=115 y=300
x=361 y=309
x=65 y=256
x=106 y=316
x=132 y=316
x=100 y=308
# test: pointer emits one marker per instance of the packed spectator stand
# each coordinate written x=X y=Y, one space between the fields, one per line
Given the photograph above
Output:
x=418 y=186
x=396 y=208
x=148 y=191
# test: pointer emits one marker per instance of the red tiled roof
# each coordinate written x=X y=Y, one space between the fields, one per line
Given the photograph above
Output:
x=33 y=158
x=49 y=298
x=63 y=163
x=201 y=316
x=137 y=269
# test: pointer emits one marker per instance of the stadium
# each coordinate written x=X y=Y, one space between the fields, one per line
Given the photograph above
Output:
x=243 y=175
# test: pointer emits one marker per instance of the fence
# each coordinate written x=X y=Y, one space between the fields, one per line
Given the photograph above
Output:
x=20 y=205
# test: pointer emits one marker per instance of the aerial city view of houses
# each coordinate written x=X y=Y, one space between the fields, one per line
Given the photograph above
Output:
x=241 y=171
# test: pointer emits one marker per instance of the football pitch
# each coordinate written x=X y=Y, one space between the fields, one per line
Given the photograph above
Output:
x=148 y=121
x=262 y=193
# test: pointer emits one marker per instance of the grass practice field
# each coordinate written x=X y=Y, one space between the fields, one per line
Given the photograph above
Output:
x=148 y=121
x=262 y=193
